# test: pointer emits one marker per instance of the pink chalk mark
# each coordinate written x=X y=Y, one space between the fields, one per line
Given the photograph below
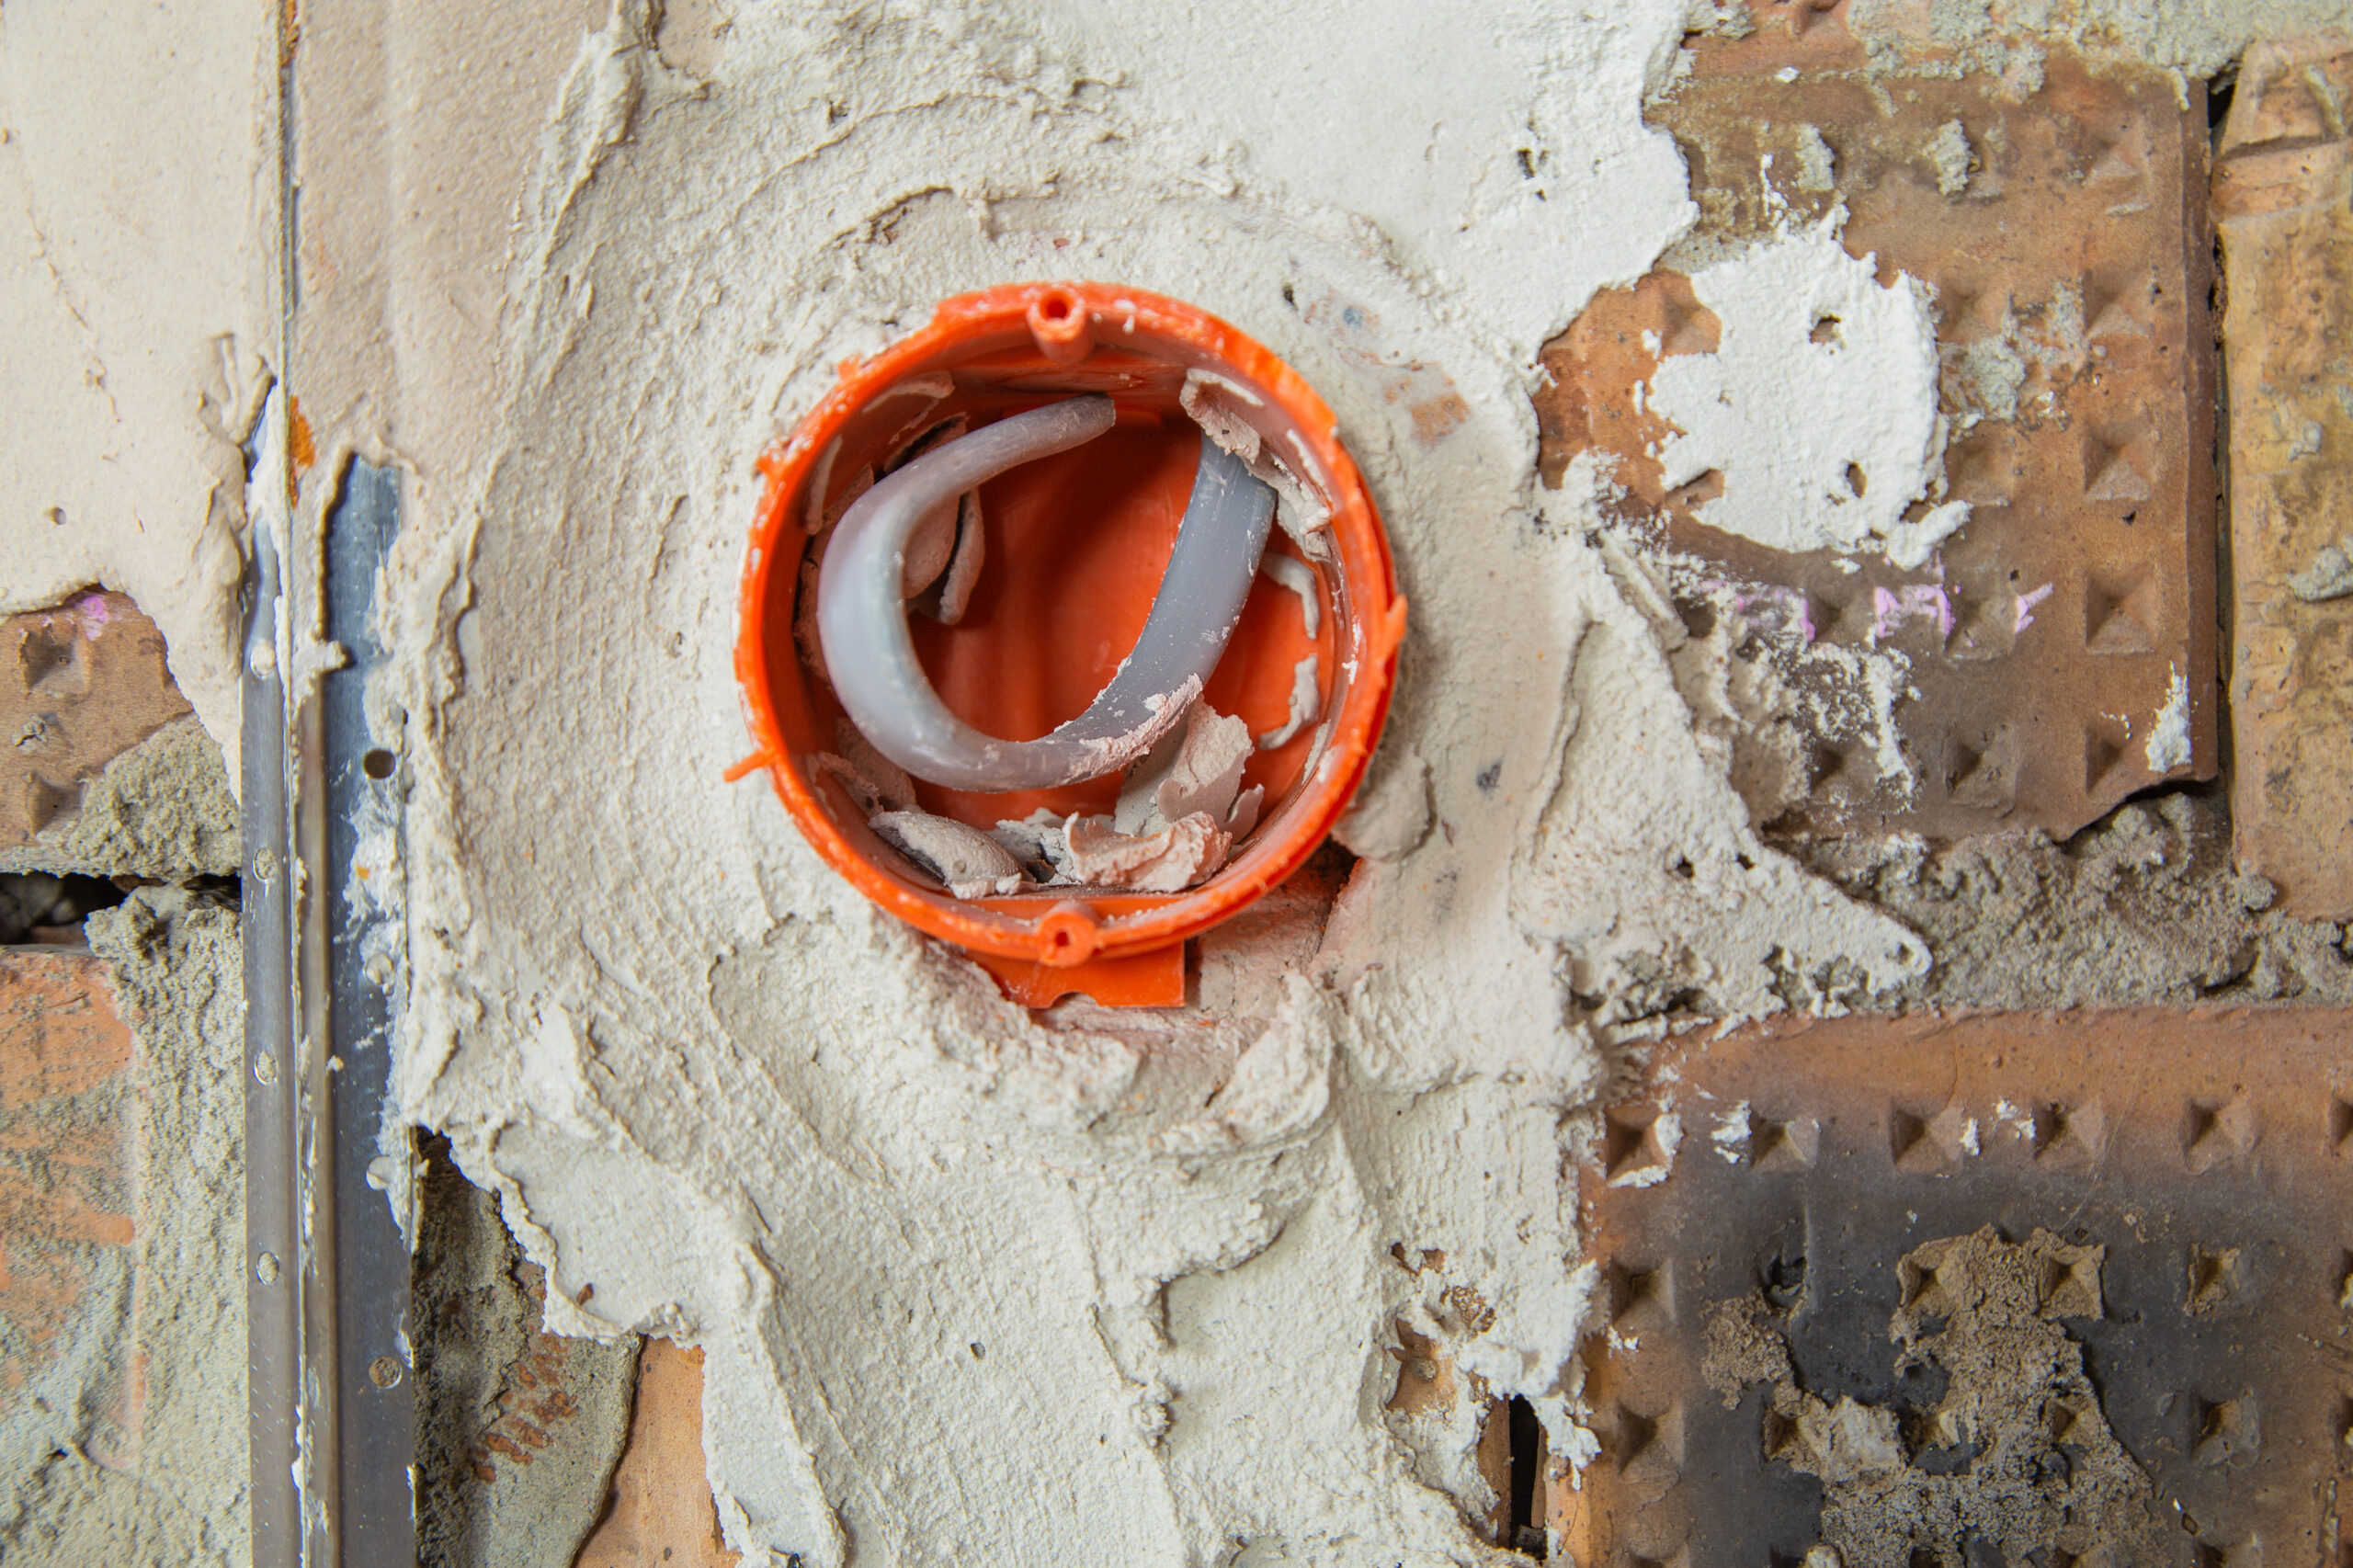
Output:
x=1783 y=609
x=1917 y=601
x=2025 y=607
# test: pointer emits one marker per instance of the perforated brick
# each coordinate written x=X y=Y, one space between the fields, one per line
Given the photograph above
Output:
x=80 y=684
x=2069 y=254
x=1936 y=1291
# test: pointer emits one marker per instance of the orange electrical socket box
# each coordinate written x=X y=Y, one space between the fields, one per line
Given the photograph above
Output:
x=1076 y=544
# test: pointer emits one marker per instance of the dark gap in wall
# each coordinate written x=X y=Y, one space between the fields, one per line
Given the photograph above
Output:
x=2219 y=93
x=1525 y=1533
x=231 y=889
x=48 y=911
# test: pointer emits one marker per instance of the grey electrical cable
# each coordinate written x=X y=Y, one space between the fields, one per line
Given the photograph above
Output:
x=862 y=623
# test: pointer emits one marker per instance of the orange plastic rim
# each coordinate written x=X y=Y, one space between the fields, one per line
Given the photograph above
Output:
x=1042 y=340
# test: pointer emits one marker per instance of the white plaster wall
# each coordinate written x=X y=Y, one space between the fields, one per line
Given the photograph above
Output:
x=976 y=1286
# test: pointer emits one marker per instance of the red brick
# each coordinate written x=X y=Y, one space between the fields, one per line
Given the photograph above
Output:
x=2282 y=192
x=2098 y=489
x=662 y=1515
x=80 y=684
x=65 y=1163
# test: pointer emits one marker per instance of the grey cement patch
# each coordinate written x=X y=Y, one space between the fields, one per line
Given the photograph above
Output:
x=162 y=810
x=70 y=1403
x=174 y=1491
x=2142 y=907
x=517 y=1432
x=2007 y=38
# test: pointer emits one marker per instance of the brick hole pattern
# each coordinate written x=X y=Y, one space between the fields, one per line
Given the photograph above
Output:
x=2083 y=585
x=2204 y=1152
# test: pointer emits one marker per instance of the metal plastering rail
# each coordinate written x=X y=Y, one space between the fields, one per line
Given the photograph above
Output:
x=273 y=1342
x=332 y=1427
x=273 y=1275
x=362 y=1390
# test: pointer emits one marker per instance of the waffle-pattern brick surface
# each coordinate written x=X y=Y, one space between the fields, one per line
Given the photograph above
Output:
x=1946 y=1291
x=2063 y=230
x=2283 y=204
x=80 y=684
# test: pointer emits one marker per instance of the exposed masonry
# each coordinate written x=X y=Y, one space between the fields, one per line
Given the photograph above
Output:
x=2143 y=904
x=2013 y=674
x=119 y=854
x=1912 y=1289
x=2283 y=201
x=131 y=1449
x=518 y=1429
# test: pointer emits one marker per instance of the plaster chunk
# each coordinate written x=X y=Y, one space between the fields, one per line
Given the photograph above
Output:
x=1197 y=768
x=1175 y=858
x=973 y=864
x=1818 y=408
x=2330 y=576
x=1306 y=704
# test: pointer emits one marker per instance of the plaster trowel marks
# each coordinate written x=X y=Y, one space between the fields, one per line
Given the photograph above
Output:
x=1964 y=1290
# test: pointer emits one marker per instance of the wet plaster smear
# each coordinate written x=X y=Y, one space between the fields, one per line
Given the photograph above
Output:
x=137 y=198
x=977 y=1285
